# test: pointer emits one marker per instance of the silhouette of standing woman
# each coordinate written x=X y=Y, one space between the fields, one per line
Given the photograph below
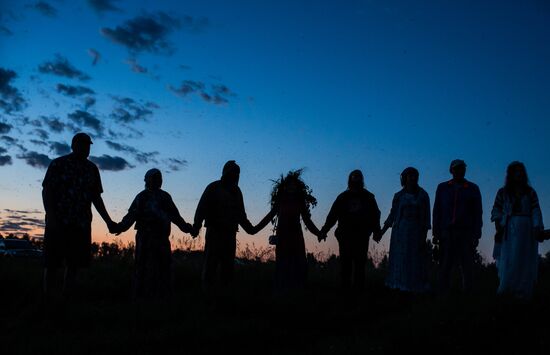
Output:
x=71 y=185
x=153 y=211
x=358 y=216
x=291 y=199
x=518 y=220
x=409 y=220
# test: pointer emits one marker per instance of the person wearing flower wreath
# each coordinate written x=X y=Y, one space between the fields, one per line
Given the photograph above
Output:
x=291 y=200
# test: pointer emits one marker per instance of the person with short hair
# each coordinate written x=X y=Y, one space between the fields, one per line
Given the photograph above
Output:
x=71 y=185
x=221 y=209
x=457 y=222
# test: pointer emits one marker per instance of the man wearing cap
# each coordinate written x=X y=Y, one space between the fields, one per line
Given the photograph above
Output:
x=71 y=185
x=221 y=207
x=457 y=222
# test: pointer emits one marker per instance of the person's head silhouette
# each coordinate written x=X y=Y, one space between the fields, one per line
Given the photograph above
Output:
x=153 y=179
x=230 y=173
x=80 y=145
x=409 y=178
x=356 y=181
x=458 y=169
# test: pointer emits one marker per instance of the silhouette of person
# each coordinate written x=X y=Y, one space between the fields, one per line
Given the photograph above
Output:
x=518 y=220
x=409 y=220
x=221 y=208
x=291 y=200
x=457 y=222
x=358 y=216
x=71 y=185
x=153 y=211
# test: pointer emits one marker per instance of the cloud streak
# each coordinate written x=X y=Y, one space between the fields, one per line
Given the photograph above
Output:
x=111 y=163
x=11 y=99
x=61 y=66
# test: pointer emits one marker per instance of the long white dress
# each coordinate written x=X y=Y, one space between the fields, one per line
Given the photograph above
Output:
x=410 y=221
x=517 y=254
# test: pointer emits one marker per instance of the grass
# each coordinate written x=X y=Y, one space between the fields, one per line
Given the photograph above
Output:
x=323 y=320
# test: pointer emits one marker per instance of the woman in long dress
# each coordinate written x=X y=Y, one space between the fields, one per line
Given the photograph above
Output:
x=410 y=221
x=291 y=199
x=518 y=220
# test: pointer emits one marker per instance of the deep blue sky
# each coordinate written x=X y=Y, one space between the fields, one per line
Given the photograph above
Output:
x=329 y=86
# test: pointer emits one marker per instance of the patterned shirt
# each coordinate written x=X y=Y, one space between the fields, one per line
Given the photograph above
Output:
x=72 y=183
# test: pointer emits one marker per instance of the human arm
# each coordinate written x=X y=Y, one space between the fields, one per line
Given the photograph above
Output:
x=265 y=221
x=436 y=213
x=176 y=218
x=332 y=216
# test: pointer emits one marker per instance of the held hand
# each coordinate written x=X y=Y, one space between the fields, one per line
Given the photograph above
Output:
x=195 y=232
x=377 y=236
x=113 y=227
x=322 y=237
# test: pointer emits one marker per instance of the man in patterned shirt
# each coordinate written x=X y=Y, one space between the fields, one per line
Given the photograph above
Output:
x=71 y=185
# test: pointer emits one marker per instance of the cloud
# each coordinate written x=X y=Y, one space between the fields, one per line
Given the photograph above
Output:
x=141 y=157
x=60 y=66
x=187 y=87
x=217 y=95
x=135 y=67
x=44 y=8
x=3 y=150
x=5 y=31
x=146 y=33
x=10 y=97
x=38 y=142
x=86 y=119
x=72 y=91
x=175 y=164
x=128 y=110
x=89 y=102
x=41 y=133
x=96 y=56
x=5 y=160
x=60 y=148
x=107 y=162
x=5 y=128
x=101 y=6
x=35 y=159
x=56 y=125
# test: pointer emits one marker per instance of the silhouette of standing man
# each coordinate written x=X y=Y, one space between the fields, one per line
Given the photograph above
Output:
x=221 y=207
x=358 y=216
x=71 y=185
x=457 y=222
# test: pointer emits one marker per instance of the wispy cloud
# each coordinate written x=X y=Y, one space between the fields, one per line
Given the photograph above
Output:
x=5 y=160
x=128 y=110
x=35 y=159
x=72 y=91
x=218 y=93
x=149 y=32
x=86 y=119
x=135 y=67
x=101 y=6
x=175 y=164
x=139 y=156
x=112 y=163
x=96 y=56
x=5 y=31
x=5 y=128
x=60 y=66
x=11 y=99
x=44 y=8
x=60 y=148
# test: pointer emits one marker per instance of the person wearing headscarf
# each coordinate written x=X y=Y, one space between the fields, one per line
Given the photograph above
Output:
x=518 y=221
x=457 y=222
x=153 y=211
x=221 y=209
x=358 y=217
x=409 y=220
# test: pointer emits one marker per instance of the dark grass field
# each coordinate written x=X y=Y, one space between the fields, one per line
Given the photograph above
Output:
x=102 y=319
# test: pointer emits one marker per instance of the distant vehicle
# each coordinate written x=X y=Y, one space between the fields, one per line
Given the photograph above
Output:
x=19 y=248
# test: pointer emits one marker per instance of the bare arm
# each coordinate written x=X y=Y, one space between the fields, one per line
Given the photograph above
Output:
x=100 y=207
x=265 y=221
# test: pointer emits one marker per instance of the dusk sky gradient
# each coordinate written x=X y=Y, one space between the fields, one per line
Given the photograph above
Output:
x=330 y=86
